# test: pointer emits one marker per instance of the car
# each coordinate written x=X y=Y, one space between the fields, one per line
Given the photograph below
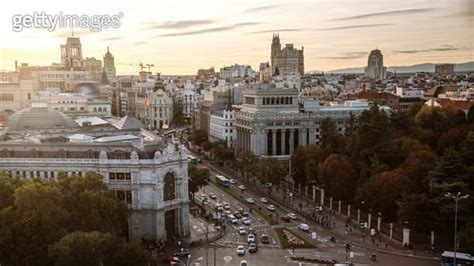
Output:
x=292 y=216
x=242 y=230
x=245 y=213
x=268 y=185
x=271 y=207
x=205 y=200
x=263 y=200
x=246 y=221
x=250 y=238
x=237 y=214
x=234 y=220
x=265 y=239
x=253 y=247
x=226 y=206
x=212 y=196
x=303 y=227
x=244 y=263
x=240 y=250
x=170 y=259
x=286 y=218
x=228 y=213
x=250 y=200
x=233 y=181
x=242 y=187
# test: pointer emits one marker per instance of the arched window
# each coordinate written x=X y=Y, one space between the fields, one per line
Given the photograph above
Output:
x=169 y=189
x=95 y=109
x=100 y=109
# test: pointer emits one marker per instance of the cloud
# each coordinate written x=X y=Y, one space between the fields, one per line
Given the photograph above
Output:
x=388 y=13
x=443 y=48
x=210 y=30
x=182 y=24
x=344 y=56
x=112 y=39
x=356 y=26
x=260 y=9
x=276 y=31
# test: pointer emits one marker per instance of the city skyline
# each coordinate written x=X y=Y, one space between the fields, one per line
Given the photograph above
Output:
x=180 y=39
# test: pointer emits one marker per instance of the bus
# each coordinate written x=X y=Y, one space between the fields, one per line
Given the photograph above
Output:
x=447 y=258
x=192 y=159
x=222 y=180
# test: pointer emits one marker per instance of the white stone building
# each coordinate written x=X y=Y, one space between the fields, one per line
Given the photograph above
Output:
x=237 y=71
x=16 y=96
x=222 y=126
x=93 y=68
x=140 y=168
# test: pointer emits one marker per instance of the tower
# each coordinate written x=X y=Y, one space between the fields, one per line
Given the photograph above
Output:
x=375 y=69
x=71 y=52
x=276 y=48
x=109 y=65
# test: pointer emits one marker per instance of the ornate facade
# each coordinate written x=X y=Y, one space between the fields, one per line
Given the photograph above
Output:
x=288 y=60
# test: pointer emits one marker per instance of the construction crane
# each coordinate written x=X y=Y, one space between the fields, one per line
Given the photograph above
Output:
x=148 y=66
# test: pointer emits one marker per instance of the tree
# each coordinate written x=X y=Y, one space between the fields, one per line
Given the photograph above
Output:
x=198 y=178
x=338 y=177
x=222 y=152
x=420 y=212
x=466 y=239
x=7 y=189
x=199 y=136
x=416 y=168
x=269 y=170
x=96 y=248
x=331 y=140
x=470 y=115
x=383 y=192
x=301 y=162
x=178 y=116
x=246 y=164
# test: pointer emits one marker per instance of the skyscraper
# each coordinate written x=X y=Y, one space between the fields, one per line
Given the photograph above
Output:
x=71 y=52
x=375 y=69
x=109 y=65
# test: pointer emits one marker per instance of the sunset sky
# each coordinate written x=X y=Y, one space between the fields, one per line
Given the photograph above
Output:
x=181 y=36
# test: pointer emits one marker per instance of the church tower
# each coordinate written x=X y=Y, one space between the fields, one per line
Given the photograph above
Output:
x=71 y=52
x=276 y=48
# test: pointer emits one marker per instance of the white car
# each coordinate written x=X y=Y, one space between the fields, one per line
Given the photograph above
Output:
x=233 y=181
x=234 y=220
x=243 y=263
x=245 y=221
x=240 y=250
x=251 y=238
x=292 y=216
x=303 y=227
x=271 y=207
x=242 y=230
x=228 y=213
x=242 y=187
x=212 y=196
x=263 y=200
x=250 y=200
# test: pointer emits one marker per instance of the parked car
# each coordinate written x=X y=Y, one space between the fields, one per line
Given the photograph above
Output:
x=286 y=218
x=212 y=196
x=263 y=200
x=253 y=247
x=303 y=227
x=240 y=250
x=237 y=214
x=271 y=207
x=242 y=230
x=242 y=187
x=250 y=200
x=234 y=221
x=245 y=213
x=243 y=263
x=292 y=216
x=250 y=238
x=265 y=239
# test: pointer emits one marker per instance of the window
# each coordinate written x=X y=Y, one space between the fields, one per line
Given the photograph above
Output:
x=124 y=195
x=169 y=190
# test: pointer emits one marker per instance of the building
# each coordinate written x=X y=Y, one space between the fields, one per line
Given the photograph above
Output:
x=288 y=60
x=271 y=123
x=222 y=127
x=154 y=107
x=143 y=170
x=265 y=72
x=93 y=68
x=190 y=99
x=109 y=66
x=237 y=71
x=15 y=96
x=206 y=73
x=385 y=98
x=444 y=69
x=71 y=53
x=375 y=69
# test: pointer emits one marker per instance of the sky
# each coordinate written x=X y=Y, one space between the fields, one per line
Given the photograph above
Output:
x=179 y=36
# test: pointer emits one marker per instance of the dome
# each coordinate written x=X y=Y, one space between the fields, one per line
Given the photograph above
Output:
x=39 y=118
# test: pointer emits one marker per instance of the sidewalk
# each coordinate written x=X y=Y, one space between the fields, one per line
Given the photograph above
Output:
x=339 y=231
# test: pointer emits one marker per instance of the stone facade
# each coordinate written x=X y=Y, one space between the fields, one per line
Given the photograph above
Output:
x=288 y=60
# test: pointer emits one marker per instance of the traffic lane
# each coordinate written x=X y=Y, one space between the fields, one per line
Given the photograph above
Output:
x=264 y=256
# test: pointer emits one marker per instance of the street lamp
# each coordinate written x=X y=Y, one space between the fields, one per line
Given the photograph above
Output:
x=456 y=198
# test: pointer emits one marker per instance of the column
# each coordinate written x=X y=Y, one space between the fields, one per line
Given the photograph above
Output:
x=274 y=141
x=406 y=237
x=369 y=220
x=349 y=211
x=322 y=197
x=283 y=144
x=314 y=193
x=265 y=142
x=330 y=203
x=358 y=216
x=292 y=140
x=339 y=207
x=303 y=137
x=379 y=221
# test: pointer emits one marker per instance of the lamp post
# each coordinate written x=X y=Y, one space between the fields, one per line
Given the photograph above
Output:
x=456 y=199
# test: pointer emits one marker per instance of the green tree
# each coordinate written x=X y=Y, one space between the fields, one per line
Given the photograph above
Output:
x=269 y=170
x=96 y=248
x=331 y=140
x=199 y=136
x=301 y=164
x=222 y=152
x=198 y=178
x=420 y=212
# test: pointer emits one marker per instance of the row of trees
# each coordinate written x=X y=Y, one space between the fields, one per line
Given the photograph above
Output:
x=74 y=221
